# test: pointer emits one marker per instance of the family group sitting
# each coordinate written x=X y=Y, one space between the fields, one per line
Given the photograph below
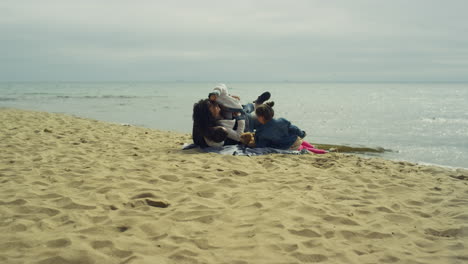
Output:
x=221 y=120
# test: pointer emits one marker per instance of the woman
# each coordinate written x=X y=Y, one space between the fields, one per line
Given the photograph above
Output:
x=204 y=122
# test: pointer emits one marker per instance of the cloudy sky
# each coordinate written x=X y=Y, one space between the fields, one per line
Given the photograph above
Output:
x=244 y=40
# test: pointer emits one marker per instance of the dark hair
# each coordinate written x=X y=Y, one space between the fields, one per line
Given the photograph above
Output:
x=203 y=122
x=202 y=116
x=219 y=134
x=265 y=111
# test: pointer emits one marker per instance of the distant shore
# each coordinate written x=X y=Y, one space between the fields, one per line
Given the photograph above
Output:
x=75 y=190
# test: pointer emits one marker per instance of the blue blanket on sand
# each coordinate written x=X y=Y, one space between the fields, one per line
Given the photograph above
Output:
x=240 y=150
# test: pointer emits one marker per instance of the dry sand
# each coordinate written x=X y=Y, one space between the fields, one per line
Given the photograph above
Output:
x=81 y=191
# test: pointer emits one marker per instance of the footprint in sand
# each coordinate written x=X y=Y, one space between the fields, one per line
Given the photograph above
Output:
x=349 y=235
x=289 y=247
x=143 y=202
x=228 y=183
x=14 y=245
x=180 y=258
x=40 y=183
x=159 y=204
x=239 y=173
x=15 y=202
x=169 y=177
x=462 y=217
x=329 y=234
x=206 y=217
x=19 y=228
x=34 y=210
x=384 y=209
x=122 y=228
x=389 y=259
x=415 y=203
x=58 y=243
x=107 y=247
x=153 y=229
x=398 y=218
x=309 y=258
x=68 y=203
x=304 y=233
x=422 y=214
x=206 y=194
x=376 y=235
x=74 y=259
x=203 y=244
x=433 y=200
x=453 y=232
x=104 y=190
x=340 y=220
x=144 y=195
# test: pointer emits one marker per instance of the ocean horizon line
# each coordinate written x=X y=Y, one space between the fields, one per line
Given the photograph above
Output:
x=231 y=81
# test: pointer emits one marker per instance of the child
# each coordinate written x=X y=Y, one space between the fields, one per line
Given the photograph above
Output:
x=279 y=133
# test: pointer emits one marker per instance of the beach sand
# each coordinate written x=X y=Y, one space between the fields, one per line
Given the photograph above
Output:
x=74 y=190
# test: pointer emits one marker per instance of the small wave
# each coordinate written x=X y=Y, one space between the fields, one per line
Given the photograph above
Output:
x=118 y=96
x=98 y=97
x=445 y=120
x=37 y=93
x=7 y=99
x=353 y=149
x=108 y=96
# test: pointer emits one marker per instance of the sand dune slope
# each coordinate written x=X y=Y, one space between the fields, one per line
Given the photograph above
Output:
x=74 y=190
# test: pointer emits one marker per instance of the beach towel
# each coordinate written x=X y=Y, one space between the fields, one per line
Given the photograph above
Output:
x=240 y=150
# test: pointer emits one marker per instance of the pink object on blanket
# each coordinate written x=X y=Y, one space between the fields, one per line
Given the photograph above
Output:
x=311 y=148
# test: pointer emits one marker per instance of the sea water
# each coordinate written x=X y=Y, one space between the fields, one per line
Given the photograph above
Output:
x=417 y=122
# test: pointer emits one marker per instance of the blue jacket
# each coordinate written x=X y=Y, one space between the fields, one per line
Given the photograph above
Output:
x=277 y=133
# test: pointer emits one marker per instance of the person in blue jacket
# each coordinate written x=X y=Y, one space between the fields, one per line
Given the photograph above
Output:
x=276 y=133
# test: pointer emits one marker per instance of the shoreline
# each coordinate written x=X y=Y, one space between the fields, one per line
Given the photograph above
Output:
x=359 y=150
x=76 y=190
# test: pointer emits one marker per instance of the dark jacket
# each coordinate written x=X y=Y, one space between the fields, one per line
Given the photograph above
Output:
x=277 y=133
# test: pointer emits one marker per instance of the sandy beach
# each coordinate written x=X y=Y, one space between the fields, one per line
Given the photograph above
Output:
x=74 y=190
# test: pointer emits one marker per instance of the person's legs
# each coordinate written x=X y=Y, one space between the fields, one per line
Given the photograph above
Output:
x=307 y=144
x=262 y=98
x=317 y=151
x=309 y=147
x=249 y=117
x=251 y=123
x=249 y=108
x=249 y=126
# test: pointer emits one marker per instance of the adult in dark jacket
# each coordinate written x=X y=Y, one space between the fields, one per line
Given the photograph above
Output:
x=203 y=122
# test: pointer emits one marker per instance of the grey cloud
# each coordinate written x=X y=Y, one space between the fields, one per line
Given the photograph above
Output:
x=242 y=40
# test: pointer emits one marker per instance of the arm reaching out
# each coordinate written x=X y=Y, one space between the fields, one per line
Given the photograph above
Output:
x=229 y=125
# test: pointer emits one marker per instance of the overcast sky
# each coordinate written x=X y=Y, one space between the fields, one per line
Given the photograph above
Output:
x=246 y=40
